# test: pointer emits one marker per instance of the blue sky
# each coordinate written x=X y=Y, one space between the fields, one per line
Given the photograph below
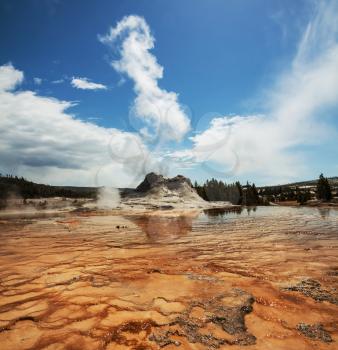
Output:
x=231 y=65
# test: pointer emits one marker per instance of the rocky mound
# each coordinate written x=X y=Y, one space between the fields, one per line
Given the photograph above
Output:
x=159 y=187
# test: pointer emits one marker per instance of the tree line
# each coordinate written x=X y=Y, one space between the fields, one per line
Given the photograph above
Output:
x=249 y=194
x=320 y=190
x=10 y=184
x=217 y=190
x=211 y=190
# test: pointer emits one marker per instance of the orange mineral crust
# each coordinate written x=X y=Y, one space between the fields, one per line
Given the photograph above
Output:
x=265 y=278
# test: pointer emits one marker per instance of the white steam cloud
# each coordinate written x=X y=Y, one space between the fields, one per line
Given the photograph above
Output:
x=108 y=198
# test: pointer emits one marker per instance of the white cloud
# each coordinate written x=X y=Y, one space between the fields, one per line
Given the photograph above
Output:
x=40 y=140
x=266 y=146
x=58 y=81
x=37 y=81
x=86 y=84
x=158 y=107
x=9 y=77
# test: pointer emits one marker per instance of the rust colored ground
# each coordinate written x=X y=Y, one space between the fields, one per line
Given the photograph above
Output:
x=258 y=281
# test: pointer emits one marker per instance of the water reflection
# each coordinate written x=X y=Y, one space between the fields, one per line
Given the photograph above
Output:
x=324 y=212
x=161 y=228
x=158 y=228
x=224 y=214
x=231 y=212
x=215 y=212
x=251 y=209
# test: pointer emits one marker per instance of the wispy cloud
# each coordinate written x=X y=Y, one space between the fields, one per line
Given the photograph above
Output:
x=86 y=84
x=268 y=146
x=37 y=81
x=158 y=107
x=40 y=138
x=58 y=81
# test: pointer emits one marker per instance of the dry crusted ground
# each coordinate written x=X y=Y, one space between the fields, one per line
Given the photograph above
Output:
x=88 y=281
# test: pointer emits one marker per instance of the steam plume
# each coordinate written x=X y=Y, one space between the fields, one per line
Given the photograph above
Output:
x=108 y=198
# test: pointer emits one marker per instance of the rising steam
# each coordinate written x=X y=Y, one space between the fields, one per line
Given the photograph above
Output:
x=108 y=198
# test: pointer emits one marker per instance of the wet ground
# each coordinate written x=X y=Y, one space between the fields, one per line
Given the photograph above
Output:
x=263 y=278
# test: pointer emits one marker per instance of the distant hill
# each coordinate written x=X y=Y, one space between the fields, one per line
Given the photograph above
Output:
x=332 y=180
x=13 y=185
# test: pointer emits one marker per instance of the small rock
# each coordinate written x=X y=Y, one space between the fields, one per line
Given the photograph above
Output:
x=312 y=288
x=315 y=331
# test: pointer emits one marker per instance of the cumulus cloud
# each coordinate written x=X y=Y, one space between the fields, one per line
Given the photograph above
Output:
x=158 y=107
x=9 y=77
x=86 y=84
x=40 y=139
x=268 y=145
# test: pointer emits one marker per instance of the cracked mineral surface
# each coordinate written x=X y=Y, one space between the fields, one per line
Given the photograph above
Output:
x=168 y=279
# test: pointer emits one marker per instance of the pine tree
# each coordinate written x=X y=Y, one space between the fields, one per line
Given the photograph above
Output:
x=302 y=197
x=323 y=189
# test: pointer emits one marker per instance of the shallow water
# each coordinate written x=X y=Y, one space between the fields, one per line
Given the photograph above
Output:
x=270 y=211
x=202 y=280
x=268 y=219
